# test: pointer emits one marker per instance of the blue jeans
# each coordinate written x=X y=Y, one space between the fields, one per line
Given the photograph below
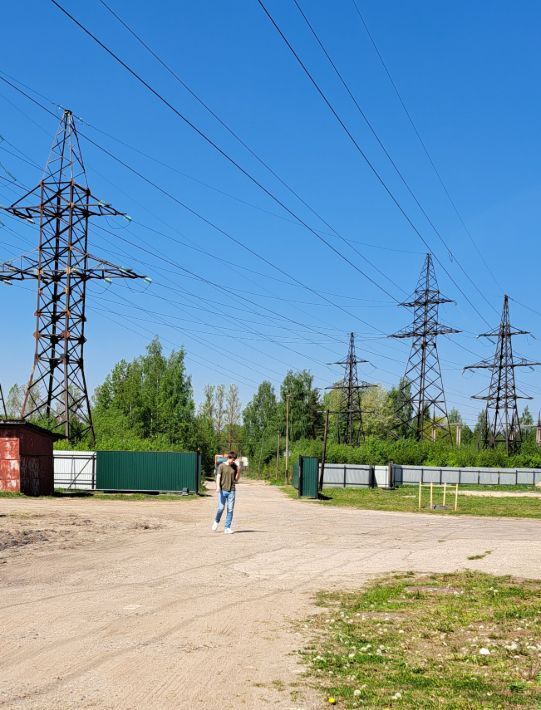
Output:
x=225 y=498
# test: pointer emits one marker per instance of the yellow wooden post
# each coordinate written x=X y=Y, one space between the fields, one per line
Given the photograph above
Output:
x=431 y=494
x=444 y=493
x=456 y=497
x=420 y=493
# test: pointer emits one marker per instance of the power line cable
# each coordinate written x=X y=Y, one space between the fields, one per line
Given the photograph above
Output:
x=233 y=133
x=216 y=147
x=423 y=145
x=362 y=153
x=388 y=155
x=205 y=219
x=129 y=167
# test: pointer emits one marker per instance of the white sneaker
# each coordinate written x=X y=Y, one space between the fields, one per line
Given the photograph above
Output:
x=228 y=531
x=214 y=526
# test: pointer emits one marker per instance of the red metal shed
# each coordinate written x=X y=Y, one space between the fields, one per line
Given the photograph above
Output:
x=26 y=458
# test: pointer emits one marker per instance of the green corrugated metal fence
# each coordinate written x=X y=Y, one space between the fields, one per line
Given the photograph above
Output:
x=148 y=471
x=308 y=477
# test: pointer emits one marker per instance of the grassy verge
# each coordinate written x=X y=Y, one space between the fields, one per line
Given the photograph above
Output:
x=61 y=493
x=465 y=640
x=405 y=499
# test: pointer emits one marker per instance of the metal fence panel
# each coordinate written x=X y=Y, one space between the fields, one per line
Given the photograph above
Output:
x=525 y=477
x=334 y=475
x=381 y=476
x=469 y=477
x=308 y=476
x=358 y=476
x=147 y=471
x=75 y=470
x=354 y=475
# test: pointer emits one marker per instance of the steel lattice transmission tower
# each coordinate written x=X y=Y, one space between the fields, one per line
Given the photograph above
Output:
x=422 y=397
x=350 y=416
x=502 y=424
x=62 y=203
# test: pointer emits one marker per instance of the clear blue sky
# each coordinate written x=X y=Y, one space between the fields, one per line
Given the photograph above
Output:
x=468 y=73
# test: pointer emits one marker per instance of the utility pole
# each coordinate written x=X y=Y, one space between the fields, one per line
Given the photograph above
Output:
x=287 y=436
x=501 y=412
x=324 y=451
x=538 y=431
x=62 y=267
x=422 y=386
x=350 y=417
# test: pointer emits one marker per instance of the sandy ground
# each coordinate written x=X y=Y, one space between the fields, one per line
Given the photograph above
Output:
x=499 y=494
x=138 y=605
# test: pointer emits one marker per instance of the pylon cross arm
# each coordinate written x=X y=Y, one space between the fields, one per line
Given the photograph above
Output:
x=24 y=267
x=97 y=268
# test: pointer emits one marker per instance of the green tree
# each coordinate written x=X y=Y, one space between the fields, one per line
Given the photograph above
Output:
x=526 y=418
x=454 y=416
x=219 y=414
x=14 y=401
x=305 y=416
x=401 y=409
x=261 y=421
x=148 y=398
x=233 y=410
x=480 y=431
x=377 y=412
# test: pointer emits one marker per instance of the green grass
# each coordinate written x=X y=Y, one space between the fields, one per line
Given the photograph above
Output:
x=101 y=495
x=61 y=493
x=421 y=641
x=405 y=499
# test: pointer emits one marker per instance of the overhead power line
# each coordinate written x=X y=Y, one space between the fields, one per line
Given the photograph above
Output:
x=423 y=144
x=216 y=147
x=97 y=145
x=236 y=136
x=207 y=221
x=388 y=155
x=135 y=244
x=360 y=150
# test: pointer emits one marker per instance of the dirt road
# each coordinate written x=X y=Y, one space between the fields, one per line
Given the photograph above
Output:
x=142 y=606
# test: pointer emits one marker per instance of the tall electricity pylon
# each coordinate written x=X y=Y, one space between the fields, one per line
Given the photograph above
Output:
x=422 y=408
x=62 y=203
x=350 y=416
x=501 y=413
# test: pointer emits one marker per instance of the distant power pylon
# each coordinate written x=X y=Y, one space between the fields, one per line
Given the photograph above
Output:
x=3 y=410
x=62 y=202
x=501 y=413
x=349 y=412
x=421 y=406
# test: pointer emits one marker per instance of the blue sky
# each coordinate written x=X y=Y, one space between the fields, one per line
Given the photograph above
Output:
x=468 y=73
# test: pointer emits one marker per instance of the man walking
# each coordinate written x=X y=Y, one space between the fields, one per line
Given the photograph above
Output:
x=228 y=474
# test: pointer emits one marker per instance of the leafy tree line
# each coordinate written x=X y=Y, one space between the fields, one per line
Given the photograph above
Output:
x=148 y=404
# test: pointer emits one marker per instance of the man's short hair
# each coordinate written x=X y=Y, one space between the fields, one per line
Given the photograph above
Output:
x=232 y=455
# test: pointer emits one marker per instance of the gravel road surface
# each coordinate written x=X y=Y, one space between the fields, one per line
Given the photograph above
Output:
x=138 y=605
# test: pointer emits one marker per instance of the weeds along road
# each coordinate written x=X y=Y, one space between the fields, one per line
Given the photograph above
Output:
x=117 y=604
